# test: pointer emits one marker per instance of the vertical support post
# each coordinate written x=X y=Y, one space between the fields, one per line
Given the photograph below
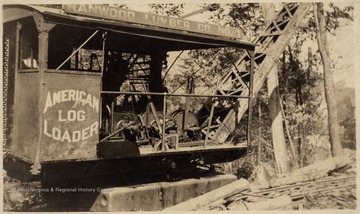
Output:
x=43 y=49
x=91 y=62
x=251 y=85
x=77 y=61
x=17 y=48
x=102 y=76
x=260 y=142
x=163 y=125
x=112 y=126
x=187 y=102
x=16 y=70
x=147 y=118
x=209 y=124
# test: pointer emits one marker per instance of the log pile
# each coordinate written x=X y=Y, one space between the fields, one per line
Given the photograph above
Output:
x=308 y=173
x=241 y=195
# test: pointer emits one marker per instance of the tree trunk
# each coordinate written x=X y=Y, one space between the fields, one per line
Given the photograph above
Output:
x=277 y=129
x=336 y=148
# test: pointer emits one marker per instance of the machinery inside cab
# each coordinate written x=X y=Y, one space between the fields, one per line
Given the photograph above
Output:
x=85 y=85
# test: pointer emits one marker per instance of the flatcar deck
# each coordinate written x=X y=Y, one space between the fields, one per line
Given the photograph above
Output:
x=147 y=151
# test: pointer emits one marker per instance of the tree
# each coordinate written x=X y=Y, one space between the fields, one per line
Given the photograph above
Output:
x=329 y=87
x=277 y=129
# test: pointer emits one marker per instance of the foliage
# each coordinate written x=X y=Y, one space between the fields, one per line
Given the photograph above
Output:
x=168 y=9
x=335 y=14
x=246 y=16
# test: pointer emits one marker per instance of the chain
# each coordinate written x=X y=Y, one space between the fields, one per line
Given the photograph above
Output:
x=5 y=85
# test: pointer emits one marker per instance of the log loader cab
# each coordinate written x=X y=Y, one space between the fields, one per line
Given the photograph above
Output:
x=85 y=90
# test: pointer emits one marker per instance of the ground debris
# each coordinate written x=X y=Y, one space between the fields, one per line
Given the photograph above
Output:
x=330 y=201
x=22 y=196
x=329 y=184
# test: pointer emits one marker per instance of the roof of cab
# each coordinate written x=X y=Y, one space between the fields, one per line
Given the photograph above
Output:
x=171 y=39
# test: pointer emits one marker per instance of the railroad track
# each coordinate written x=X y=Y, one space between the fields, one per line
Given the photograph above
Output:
x=299 y=190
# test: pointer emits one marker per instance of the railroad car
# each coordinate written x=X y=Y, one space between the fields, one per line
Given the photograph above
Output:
x=84 y=92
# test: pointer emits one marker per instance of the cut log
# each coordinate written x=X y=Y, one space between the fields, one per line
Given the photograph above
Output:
x=311 y=172
x=270 y=204
x=203 y=200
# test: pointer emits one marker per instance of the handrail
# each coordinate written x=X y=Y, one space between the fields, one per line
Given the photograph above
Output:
x=172 y=94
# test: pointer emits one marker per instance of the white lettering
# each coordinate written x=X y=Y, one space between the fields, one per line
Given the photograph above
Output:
x=146 y=17
x=80 y=115
x=163 y=20
x=81 y=97
x=92 y=8
x=113 y=13
x=204 y=27
x=46 y=128
x=179 y=22
x=131 y=15
x=71 y=95
x=56 y=98
x=88 y=100
x=71 y=115
x=61 y=119
x=85 y=134
x=76 y=136
x=172 y=22
x=48 y=102
x=56 y=133
x=82 y=8
x=94 y=128
x=68 y=136
x=122 y=14
x=103 y=11
x=187 y=25
x=224 y=31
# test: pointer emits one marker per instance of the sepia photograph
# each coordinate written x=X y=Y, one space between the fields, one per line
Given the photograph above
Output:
x=179 y=106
